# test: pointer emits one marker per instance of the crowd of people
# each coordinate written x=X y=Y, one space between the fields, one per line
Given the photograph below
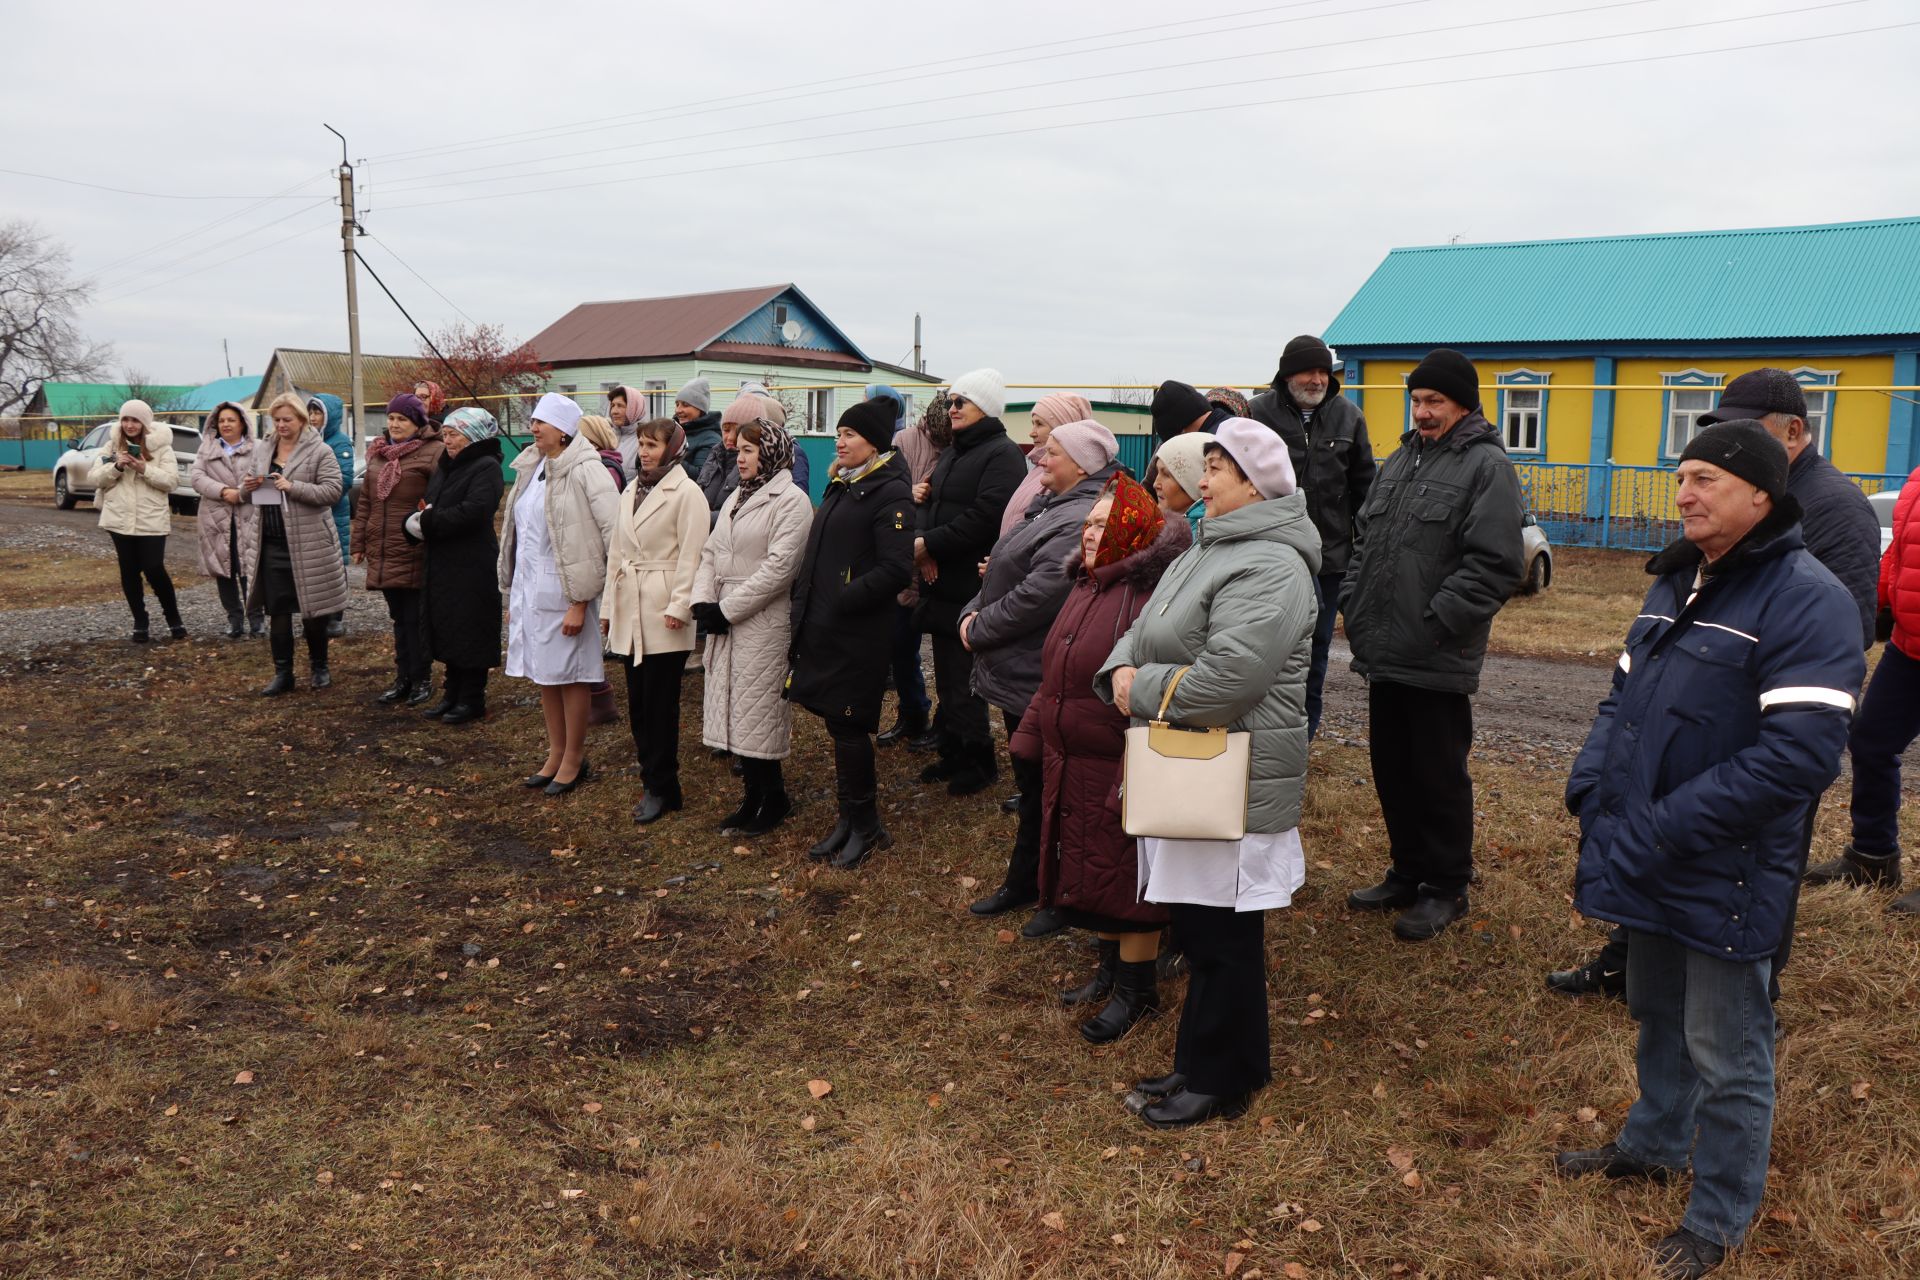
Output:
x=1081 y=601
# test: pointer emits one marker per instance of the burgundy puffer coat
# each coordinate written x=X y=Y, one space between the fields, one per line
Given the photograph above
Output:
x=1086 y=861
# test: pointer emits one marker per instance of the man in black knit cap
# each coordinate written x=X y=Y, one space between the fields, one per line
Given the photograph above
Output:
x=1326 y=437
x=1436 y=553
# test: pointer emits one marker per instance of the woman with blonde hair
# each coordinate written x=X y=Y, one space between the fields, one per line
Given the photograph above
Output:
x=131 y=485
x=553 y=566
x=295 y=560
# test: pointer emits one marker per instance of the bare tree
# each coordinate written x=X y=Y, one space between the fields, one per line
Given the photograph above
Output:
x=1123 y=393
x=40 y=338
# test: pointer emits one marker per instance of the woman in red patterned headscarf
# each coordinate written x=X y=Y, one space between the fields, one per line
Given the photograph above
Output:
x=1087 y=868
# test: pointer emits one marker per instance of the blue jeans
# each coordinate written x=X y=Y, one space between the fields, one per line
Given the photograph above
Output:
x=908 y=680
x=1327 y=590
x=1706 y=1066
x=1886 y=726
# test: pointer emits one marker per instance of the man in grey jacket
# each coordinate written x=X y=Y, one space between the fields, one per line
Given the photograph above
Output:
x=1436 y=553
x=1326 y=437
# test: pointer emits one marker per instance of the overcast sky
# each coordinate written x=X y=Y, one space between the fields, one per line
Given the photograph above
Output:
x=1189 y=245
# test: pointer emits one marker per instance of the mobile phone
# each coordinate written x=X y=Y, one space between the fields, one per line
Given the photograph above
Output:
x=133 y=449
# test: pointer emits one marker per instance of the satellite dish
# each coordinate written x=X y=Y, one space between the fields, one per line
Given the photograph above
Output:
x=790 y=331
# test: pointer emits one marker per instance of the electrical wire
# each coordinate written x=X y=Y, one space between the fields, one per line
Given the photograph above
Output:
x=151 y=195
x=451 y=371
x=214 y=247
x=160 y=284
x=422 y=279
x=787 y=92
x=191 y=232
x=1210 y=109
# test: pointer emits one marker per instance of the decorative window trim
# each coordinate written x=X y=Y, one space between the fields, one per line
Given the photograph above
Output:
x=1819 y=382
x=1683 y=380
x=1533 y=380
x=659 y=399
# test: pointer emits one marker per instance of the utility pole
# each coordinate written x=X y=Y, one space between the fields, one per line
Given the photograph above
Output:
x=919 y=365
x=350 y=227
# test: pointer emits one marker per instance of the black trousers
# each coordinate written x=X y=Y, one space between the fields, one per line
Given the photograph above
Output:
x=411 y=658
x=233 y=591
x=145 y=557
x=467 y=685
x=962 y=716
x=1419 y=739
x=1023 y=868
x=856 y=781
x=1223 y=1048
x=280 y=640
x=763 y=778
x=653 y=714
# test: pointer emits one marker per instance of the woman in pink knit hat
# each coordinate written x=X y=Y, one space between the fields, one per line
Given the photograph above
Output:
x=1049 y=411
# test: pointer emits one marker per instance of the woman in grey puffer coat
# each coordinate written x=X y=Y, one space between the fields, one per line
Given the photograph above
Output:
x=1005 y=628
x=1236 y=612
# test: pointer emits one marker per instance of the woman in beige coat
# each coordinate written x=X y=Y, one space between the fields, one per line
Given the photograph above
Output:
x=131 y=484
x=648 y=614
x=553 y=566
x=399 y=465
x=294 y=563
x=228 y=522
x=741 y=596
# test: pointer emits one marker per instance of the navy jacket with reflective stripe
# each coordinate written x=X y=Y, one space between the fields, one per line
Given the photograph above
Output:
x=1725 y=722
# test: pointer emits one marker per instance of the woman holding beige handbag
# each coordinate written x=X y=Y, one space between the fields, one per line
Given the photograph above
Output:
x=1223 y=644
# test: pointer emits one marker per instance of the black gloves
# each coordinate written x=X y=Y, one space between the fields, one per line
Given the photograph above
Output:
x=711 y=620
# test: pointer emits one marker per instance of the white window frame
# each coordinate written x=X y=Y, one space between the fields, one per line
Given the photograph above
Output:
x=1684 y=382
x=1524 y=381
x=1817 y=385
x=820 y=402
x=659 y=401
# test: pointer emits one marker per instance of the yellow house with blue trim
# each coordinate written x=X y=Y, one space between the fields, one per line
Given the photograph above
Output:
x=1604 y=351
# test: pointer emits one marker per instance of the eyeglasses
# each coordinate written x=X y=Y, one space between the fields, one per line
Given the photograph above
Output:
x=957 y=402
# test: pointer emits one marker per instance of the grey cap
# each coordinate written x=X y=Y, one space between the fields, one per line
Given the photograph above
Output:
x=698 y=394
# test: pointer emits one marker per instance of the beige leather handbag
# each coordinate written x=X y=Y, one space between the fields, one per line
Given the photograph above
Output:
x=1184 y=784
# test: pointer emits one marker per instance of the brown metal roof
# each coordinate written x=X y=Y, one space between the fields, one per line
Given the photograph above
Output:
x=332 y=372
x=806 y=357
x=648 y=328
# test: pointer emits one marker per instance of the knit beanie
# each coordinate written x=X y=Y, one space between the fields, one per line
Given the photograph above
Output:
x=1756 y=394
x=1745 y=448
x=745 y=408
x=1058 y=408
x=408 y=406
x=1448 y=372
x=558 y=412
x=698 y=393
x=138 y=409
x=1185 y=459
x=1260 y=454
x=1303 y=353
x=775 y=412
x=1090 y=445
x=1175 y=406
x=1231 y=400
x=873 y=421
x=984 y=387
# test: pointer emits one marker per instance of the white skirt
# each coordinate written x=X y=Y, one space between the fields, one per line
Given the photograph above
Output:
x=1258 y=872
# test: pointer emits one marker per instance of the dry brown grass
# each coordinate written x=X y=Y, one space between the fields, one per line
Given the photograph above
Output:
x=459 y=1003
x=40 y=580
x=34 y=488
x=1583 y=615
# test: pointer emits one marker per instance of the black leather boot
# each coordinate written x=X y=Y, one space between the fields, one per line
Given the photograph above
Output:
x=829 y=844
x=422 y=690
x=866 y=836
x=750 y=801
x=1098 y=986
x=396 y=692
x=1429 y=917
x=316 y=634
x=909 y=725
x=1136 y=996
x=1186 y=1108
x=1853 y=867
x=775 y=806
x=1610 y=1161
x=281 y=644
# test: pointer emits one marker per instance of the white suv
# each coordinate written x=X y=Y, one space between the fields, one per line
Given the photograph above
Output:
x=70 y=482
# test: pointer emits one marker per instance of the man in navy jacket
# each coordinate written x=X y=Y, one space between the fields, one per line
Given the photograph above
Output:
x=1727 y=716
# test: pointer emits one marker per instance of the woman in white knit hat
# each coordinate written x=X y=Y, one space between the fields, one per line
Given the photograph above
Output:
x=1176 y=481
x=131 y=484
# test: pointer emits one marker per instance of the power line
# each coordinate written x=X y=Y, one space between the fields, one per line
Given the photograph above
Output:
x=786 y=92
x=151 y=195
x=1131 y=97
x=416 y=182
x=453 y=372
x=211 y=265
x=417 y=276
x=191 y=232
x=210 y=248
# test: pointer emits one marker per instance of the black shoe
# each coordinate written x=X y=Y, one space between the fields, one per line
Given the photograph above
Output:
x=1161 y=1086
x=337 y=626
x=868 y=835
x=1003 y=900
x=1135 y=998
x=177 y=631
x=1388 y=895
x=320 y=678
x=940 y=770
x=1045 y=921
x=971 y=779
x=463 y=713
x=1907 y=904
x=829 y=844
x=656 y=806
x=1429 y=917
x=1011 y=804
x=257 y=626
x=282 y=682
x=559 y=788
x=396 y=692
x=905 y=729
x=1101 y=984
x=1853 y=867
x=772 y=812
x=749 y=805
x=1186 y=1108
x=1608 y=1160
x=1686 y=1256
x=139 y=635
x=928 y=741
x=537 y=781
x=448 y=701
x=1590 y=979
x=421 y=692
x=235 y=628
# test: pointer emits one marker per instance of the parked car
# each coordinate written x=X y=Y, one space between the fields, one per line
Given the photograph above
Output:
x=1537 y=552
x=70 y=472
x=1882 y=504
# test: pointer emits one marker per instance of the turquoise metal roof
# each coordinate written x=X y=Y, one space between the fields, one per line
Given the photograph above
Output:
x=205 y=397
x=1847 y=279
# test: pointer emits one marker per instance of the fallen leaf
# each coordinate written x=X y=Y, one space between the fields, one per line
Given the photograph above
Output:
x=591 y=1108
x=572 y=1193
x=968 y=882
x=1411 y=1179
x=1233 y=1262
x=245 y=1077
x=807 y=1123
x=1055 y=1221
x=855 y=937
x=1861 y=1089
x=1108 y=1154
x=1005 y=935
x=1400 y=1158
x=1310 y=1225
x=819 y=1088
x=1294 y=1271
x=1586 y=1115
x=173 y=1110
x=324 y=1177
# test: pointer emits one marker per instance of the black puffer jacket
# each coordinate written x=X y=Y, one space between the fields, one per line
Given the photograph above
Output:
x=461 y=601
x=1841 y=530
x=960 y=519
x=1332 y=461
x=859 y=556
x=703 y=437
x=1436 y=553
